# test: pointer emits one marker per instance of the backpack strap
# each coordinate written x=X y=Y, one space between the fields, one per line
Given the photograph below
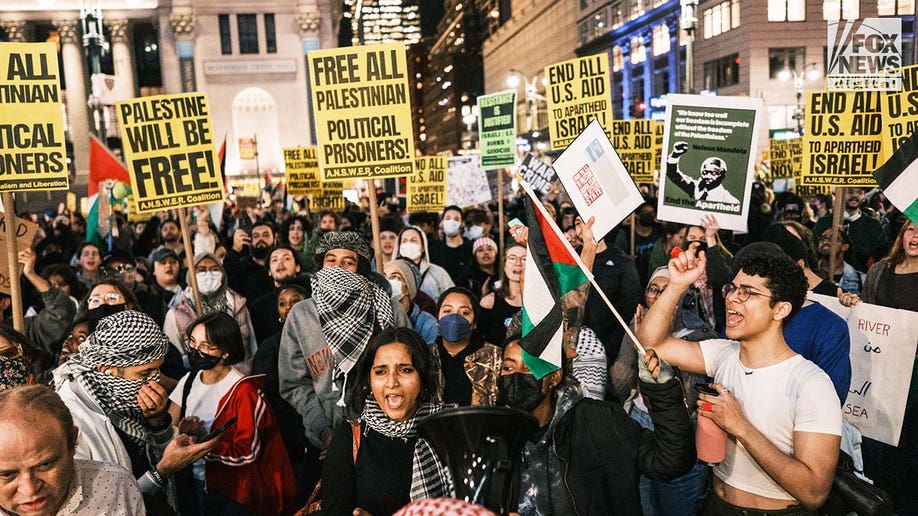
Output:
x=355 y=432
x=186 y=389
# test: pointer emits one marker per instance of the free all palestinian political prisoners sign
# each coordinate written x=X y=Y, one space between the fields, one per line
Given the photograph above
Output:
x=169 y=151
x=32 y=152
x=578 y=91
x=301 y=171
x=360 y=96
x=709 y=151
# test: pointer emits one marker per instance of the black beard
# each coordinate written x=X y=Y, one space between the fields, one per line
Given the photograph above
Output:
x=260 y=253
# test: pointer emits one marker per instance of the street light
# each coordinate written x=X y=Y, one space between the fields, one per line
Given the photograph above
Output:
x=532 y=97
x=95 y=45
x=810 y=72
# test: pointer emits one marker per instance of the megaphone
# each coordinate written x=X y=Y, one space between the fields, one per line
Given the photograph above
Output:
x=481 y=447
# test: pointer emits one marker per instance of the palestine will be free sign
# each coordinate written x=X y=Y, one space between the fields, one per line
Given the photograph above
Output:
x=363 y=111
x=32 y=152
x=169 y=151
x=578 y=91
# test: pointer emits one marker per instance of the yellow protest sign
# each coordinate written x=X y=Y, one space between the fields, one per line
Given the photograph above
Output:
x=785 y=157
x=842 y=138
x=330 y=197
x=578 y=91
x=302 y=171
x=32 y=152
x=247 y=148
x=426 y=188
x=169 y=151
x=638 y=146
x=360 y=96
x=25 y=235
x=900 y=112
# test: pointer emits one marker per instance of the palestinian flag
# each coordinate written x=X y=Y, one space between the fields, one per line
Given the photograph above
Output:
x=898 y=178
x=103 y=166
x=553 y=272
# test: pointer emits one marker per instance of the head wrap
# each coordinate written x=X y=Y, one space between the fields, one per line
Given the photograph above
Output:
x=481 y=242
x=408 y=271
x=349 y=240
x=658 y=272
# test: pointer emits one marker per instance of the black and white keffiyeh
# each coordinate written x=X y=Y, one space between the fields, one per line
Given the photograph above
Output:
x=350 y=308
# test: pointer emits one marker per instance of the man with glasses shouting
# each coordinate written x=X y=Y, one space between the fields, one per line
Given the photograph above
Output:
x=779 y=410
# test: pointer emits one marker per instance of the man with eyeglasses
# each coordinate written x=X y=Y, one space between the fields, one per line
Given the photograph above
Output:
x=119 y=264
x=780 y=410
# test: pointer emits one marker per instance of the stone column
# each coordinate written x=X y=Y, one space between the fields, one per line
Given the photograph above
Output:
x=307 y=21
x=673 y=56
x=15 y=30
x=648 y=73
x=77 y=110
x=183 y=24
x=627 y=95
x=122 y=57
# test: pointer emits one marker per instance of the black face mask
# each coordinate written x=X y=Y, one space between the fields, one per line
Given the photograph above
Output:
x=645 y=219
x=201 y=361
x=101 y=312
x=260 y=253
x=520 y=391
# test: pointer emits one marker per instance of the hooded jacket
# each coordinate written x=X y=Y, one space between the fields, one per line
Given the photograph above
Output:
x=434 y=279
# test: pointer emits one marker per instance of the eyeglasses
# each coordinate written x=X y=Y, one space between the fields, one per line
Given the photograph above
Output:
x=123 y=268
x=109 y=298
x=742 y=292
x=654 y=291
x=202 y=346
x=11 y=351
x=516 y=259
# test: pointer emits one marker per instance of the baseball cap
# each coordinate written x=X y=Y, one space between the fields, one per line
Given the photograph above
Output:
x=162 y=253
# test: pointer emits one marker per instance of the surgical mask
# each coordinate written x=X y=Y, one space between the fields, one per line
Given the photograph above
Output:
x=520 y=391
x=474 y=232
x=13 y=372
x=209 y=281
x=454 y=327
x=451 y=227
x=199 y=360
x=396 y=285
x=101 y=312
x=410 y=250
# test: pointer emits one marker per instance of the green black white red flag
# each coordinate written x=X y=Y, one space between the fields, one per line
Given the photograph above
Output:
x=898 y=178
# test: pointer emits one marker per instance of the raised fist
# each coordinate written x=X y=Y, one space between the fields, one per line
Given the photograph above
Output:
x=679 y=148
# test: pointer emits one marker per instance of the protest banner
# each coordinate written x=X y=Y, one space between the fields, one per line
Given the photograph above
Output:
x=25 y=231
x=900 y=113
x=578 y=91
x=638 y=146
x=785 y=157
x=597 y=181
x=360 y=96
x=169 y=151
x=466 y=182
x=709 y=159
x=426 y=188
x=32 y=147
x=301 y=174
x=537 y=173
x=329 y=197
x=248 y=148
x=842 y=138
x=497 y=129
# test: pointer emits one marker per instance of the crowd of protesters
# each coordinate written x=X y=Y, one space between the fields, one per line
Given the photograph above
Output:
x=301 y=360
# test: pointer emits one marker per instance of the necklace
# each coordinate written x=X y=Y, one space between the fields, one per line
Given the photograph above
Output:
x=766 y=364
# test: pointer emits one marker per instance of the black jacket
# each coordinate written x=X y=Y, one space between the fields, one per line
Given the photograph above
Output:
x=617 y=274
x=245 y=276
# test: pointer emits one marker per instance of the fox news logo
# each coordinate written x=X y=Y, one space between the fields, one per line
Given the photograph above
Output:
x=864 y=54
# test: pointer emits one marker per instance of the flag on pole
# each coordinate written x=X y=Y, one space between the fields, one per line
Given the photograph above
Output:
x=553 y=271
x=898 y=178
x=103 y=166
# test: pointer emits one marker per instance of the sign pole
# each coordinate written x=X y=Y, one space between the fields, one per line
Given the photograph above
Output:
x=12 y=255
x=837 y=208
x=374 y=223
x=631 y=246
x=189 y=261
x=500 y=209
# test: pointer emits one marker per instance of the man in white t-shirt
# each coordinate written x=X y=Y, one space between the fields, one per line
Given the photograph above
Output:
x=779 y=410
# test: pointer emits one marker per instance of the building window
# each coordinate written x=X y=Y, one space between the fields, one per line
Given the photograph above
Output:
x=790 y=59
x=226 y=37
x=248 y=33
x=270 y=34
x=786 y=10
x=841 y=9
x=721 y=18
x=660 y=77
x=618 y=14
x=723 y=72
x=660 y=39
x=638 y=50
x=594 y=26
x=618 y=61
x=638 y=7
x=895 y=7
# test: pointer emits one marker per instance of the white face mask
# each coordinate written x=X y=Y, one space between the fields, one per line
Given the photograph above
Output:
x=410 y=250
x=209 y=281
x=451 y=227
x=396 y=285
x=474 y=232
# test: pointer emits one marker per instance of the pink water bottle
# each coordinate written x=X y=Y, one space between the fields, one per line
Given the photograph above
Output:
x=710 y=439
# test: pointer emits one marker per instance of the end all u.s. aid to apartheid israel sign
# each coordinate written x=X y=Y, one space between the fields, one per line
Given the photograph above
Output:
x=362 y=106
x=578 y=91
x=32 y=151
x=169 y=151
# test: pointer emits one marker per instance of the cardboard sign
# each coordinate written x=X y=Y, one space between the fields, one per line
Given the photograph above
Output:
x=709 y=159
x=597 y=181
x=247 y=148
x=900 y=113
x=427 y=186
x=578 y=91
x=301 y=173
x=638 y=146
x=537 y=173
x=330 y=197
x=32 y=151
x=842 y=138
x=497 y=129
x=169 y=151
x=785 y=157
x=362 y=105
x=466 y=182
x=25 y=235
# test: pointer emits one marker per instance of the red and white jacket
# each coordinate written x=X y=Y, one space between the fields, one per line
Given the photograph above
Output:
x=249 y=464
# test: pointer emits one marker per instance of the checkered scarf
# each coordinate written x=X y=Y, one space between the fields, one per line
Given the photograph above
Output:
x=123 y=339
x=350 y=308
